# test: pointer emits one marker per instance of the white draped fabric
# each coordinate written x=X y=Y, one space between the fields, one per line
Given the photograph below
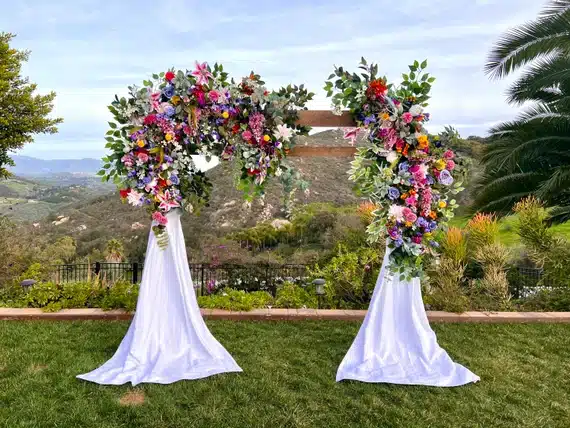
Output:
x=167 y=340
x=396 y=344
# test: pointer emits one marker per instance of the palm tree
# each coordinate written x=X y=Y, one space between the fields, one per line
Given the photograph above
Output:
x=531 y=154
x=115 y=251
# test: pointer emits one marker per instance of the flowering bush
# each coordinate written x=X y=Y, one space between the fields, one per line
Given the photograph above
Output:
x=405 y=171
x=176 y=115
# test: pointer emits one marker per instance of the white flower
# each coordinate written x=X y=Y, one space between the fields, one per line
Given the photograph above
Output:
x=283 y=132
x=278 y=172
x=392 y=156
x=416 y=110
x=336 y=110
x=396 y=211
x=135 y=198
x=189 y=208
x=307 y=192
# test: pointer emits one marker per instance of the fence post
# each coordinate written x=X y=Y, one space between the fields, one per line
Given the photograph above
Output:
x=97 y=268
x=201 y=279
x=135 y=272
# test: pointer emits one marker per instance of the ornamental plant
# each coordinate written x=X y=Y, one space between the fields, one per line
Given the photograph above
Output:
x=408 y=173
x=176 y=115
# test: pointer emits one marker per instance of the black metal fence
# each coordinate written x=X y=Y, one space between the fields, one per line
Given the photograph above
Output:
x=207 y=278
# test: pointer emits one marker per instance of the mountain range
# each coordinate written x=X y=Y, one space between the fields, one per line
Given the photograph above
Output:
x=27 y=166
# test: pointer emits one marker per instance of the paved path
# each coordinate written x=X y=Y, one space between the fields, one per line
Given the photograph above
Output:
x=287 y=314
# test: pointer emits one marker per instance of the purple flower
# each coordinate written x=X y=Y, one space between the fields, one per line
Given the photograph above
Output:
x=168 y=91
x=393 y=193
x=432 y=225
x=422 y=222
x=430 y=180
x=169 y=111
x=398 y=242
x=434 y=244
x=369 y=119
x=175 y=180
x=445 y=178
x=146 y=180
x=383 y=132
x=132 y=174
x=404 y=167
x=167 y=158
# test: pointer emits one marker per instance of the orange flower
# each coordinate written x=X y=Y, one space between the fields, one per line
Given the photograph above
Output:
x=405 y=151
x=433 y=215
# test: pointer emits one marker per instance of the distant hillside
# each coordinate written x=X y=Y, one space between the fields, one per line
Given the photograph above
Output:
x=29 y=166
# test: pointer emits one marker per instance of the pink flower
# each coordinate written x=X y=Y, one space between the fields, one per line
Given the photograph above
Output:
x=214 y=96
x=409 y=215
x=201 y=73
x=167 y=201
x=411 y=201
x=417 y=239
x=247 y=135
x=159 y=218
x=450 y=165
x=155 y=100
x=407 y=117
x=449 y=155
x=127 y=161
x=143 y=157
x=351 y=134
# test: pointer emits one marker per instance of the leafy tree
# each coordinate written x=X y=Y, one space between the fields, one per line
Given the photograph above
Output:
x=22 y=112
x=531 y=154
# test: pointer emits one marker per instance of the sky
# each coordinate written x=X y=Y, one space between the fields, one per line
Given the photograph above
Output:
x=89 y=50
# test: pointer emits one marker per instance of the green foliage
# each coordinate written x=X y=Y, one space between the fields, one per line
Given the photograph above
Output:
x=235 y=300
x=350 y=277
x=43 y=294
x=549 y=300
x=446 y=292
x=294 y=296
x=529 y=155
x=23 y=112
x=121 y=295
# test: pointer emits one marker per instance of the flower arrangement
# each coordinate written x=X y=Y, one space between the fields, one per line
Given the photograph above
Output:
x=177 y=115
x=407 y=173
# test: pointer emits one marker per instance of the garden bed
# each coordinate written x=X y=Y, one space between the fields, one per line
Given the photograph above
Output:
x=288 y=380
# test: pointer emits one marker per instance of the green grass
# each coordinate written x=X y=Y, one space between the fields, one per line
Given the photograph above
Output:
x=288 y=380
x=507 y=229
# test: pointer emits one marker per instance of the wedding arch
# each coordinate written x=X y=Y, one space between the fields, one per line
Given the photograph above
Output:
x=168 y=340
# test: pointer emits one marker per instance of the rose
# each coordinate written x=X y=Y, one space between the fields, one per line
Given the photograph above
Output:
x=393 y=193
x=407 y=117
x=409 y=215
x=450 y=165
x=445 y=178
x=169 y=75
x=150 y=119
x=448 y=154
x=143 y=157
x=246 y=135
x=396 y=211
x=392 y=156
x=168 y=91
x=158 y=217
x=214 y=96
x=127 y=161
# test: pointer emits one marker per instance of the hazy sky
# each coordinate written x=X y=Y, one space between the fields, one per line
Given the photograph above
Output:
x=88 y=50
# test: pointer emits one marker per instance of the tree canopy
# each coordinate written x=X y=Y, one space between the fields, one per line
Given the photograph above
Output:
x=23 y=112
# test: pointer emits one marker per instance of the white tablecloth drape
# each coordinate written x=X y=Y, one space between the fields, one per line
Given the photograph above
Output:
x=396 y=344
x=167 y=340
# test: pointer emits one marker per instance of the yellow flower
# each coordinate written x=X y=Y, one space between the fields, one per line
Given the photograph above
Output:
x=442 y=204
x=175 y=99
x=168 y=136
x=423 y=139
x=266 y=138
x=140 y=143
x=225 y=115
x=428 y=235
x=440 y=164
x=385 y=116
x=408 y=224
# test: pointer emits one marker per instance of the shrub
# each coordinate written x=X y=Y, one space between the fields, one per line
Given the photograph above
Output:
x=446 y=291
x=83 y=294
x=42 y=294
x=121 y=295
x=545 y=249
x=556 y=299
x=493 y=259
x=290 y=295
x=482 y=230
x=350 y=277
x=454 y=245
x=235 y=300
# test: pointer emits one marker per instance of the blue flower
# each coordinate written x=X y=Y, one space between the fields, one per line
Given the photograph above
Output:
x=369 y=119
x=146 y=180
x=393 y=193
x=404 y=166
x=422 y=222
x=434 y=244
x=174 y=179
x=168 y=91
x=132 y=174
x=398 y=242
x=430 y=180
x=445 y=178
x=169 y=111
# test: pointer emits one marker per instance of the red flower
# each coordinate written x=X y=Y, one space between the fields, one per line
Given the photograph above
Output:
x=162 y=182
x=125 y=192
x=150 y=119
x=169 y=75
x=253 y=172
x=235 y=128
x=376 y=89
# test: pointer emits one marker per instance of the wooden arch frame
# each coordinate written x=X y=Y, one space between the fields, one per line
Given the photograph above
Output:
x=324 y=119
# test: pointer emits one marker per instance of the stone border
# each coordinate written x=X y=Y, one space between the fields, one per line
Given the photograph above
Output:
x=288 y=314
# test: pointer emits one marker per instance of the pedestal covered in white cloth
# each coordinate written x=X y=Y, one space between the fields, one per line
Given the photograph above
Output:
x=167 y=340
x=396 y=344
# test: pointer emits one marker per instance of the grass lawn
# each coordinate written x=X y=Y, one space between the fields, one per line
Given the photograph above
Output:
x=288 y=380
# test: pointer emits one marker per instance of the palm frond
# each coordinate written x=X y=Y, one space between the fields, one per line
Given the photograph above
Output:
x=536 y=39
x=559 y=214
x=555 y=7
